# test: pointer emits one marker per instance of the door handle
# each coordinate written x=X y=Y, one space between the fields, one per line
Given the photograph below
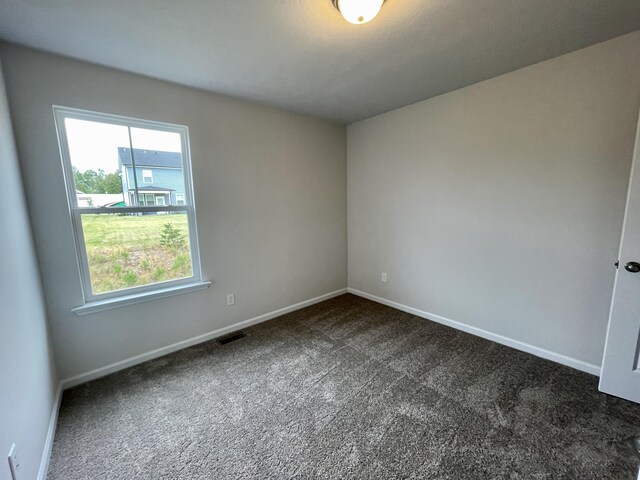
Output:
x=633 y=267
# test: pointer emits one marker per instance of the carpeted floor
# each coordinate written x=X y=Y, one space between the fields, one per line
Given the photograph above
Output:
x=345 y=389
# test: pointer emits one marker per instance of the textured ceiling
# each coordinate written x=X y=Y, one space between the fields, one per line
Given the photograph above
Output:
x=302 y=56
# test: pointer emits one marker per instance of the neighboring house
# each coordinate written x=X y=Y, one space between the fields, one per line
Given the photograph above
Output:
x=158 y=174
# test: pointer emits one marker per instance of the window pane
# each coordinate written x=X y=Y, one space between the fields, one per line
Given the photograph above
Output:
x=157 y=156
x=93 y=151
x=125 y=251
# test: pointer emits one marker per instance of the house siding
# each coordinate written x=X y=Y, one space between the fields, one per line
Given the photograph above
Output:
x=167 y=178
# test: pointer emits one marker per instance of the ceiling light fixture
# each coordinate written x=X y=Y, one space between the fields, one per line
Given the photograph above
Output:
x=358 y=11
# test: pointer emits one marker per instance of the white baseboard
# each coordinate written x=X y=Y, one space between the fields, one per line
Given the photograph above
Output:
x=159 y=352
x=518 y=345
x=114 y=367
x=51 y=433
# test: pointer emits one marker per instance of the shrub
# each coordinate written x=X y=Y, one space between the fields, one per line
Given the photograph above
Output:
x=180 y=261
x=130 y=278
x=172 y=237
x=158 y=274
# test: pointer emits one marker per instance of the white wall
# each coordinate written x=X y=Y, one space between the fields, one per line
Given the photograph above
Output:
x=500 y=205
x=27 y=370
x=270 y=190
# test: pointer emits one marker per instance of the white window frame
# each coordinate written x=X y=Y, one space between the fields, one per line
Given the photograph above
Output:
x=102 y=301
x=179 y=198
x=160 y=197
x=146 y=173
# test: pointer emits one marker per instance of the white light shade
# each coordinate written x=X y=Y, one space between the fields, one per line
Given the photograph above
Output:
x=359 y=11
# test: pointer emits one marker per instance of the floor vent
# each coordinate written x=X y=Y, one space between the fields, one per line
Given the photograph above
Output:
x=232 y=337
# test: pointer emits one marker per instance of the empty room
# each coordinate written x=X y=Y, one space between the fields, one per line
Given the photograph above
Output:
x=320 y=239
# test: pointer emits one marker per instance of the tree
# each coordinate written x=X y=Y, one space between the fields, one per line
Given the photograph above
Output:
x=91 y=181
x=172 y=237
x=112 y=183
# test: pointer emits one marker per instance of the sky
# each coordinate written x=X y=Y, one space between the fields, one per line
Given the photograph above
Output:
x=94 y=145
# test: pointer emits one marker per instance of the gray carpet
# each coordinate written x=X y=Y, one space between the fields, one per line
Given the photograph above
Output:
x=345 y=389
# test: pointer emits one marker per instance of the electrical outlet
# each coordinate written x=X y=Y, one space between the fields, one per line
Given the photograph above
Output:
x=231 y=299
x=383 y=277
x=14 y=462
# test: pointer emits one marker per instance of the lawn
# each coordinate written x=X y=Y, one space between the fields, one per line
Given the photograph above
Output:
x=126 y=251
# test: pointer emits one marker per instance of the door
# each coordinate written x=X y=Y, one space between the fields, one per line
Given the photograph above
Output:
x=620 y=368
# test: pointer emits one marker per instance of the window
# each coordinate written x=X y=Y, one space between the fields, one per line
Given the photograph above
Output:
x=179 y=199
x=147 y=176
x=129 y=239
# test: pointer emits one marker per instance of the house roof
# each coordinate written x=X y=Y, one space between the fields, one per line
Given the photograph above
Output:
x=153 y=189
x=150 y=158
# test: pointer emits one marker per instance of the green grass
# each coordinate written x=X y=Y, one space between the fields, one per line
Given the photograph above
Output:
x=125 y=251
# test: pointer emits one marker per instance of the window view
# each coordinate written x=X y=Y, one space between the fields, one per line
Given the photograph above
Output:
x=131 y=201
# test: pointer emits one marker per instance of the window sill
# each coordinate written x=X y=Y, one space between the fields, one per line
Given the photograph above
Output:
x=102 y=305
